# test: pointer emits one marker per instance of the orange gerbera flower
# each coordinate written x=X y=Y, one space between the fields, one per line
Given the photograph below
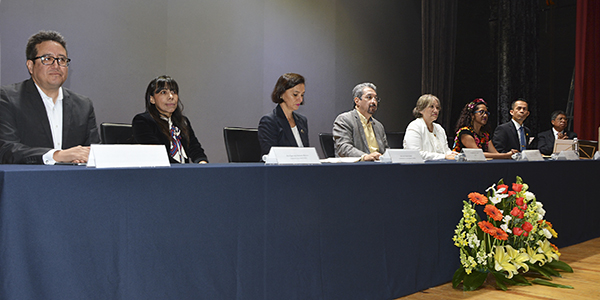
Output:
x=500 y=234
x=493 y=212
x=478 y=198
x=487 y=227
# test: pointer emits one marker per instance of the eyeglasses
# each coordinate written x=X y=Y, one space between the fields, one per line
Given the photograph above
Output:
x=49 y=60
x=482 y=112
x=371 y=97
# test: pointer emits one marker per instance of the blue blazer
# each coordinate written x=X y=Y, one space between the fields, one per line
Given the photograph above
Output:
x=275 y=130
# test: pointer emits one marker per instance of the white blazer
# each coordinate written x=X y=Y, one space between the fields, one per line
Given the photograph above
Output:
x=431 y=145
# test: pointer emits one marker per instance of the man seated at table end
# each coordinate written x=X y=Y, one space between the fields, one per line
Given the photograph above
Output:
x=40 y=121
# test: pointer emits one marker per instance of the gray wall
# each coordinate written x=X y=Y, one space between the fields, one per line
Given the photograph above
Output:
x=227 y=55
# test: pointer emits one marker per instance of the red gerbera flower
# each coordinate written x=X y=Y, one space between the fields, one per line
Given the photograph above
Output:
x=478 y=198
x=493 y=212
x=517 y=187
x=487 y=227
x=500 y=234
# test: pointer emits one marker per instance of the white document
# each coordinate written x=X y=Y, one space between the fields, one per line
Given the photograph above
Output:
x=292 y=156
x=403 y=156
x=472 y=154
x=532 y=155
x=126 y=156
x=333 y=160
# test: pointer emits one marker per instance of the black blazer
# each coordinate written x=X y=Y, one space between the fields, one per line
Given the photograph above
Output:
x=545 y=140
x=146 y=131
x=275 y=130
x=25 y=133
x=506 y=137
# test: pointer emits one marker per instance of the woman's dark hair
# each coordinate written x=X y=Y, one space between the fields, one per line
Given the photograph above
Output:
x=158 y=84
x=466 y=115
x=284 y=83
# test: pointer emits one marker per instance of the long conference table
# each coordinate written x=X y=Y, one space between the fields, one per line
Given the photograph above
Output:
x=250 y=231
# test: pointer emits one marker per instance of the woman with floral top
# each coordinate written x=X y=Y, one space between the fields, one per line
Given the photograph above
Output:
x=472 y=130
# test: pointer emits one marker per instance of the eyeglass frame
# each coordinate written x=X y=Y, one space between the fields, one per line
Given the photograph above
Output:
x=377 y=98
x=482 y=112
x=54 y=59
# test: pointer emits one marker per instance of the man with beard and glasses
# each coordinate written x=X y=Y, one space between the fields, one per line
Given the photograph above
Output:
x=356 y=133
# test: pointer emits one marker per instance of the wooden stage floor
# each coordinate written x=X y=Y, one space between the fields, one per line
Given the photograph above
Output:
x=584 y=258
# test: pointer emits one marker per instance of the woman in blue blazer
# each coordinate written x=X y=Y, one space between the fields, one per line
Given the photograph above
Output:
x=283 y=126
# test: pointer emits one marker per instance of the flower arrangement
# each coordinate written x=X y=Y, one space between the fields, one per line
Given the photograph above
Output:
x=513 y=241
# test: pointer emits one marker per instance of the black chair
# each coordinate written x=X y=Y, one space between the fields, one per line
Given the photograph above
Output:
x=395 y=139
x=327 y=144
x=242 y=144
x=116 y=133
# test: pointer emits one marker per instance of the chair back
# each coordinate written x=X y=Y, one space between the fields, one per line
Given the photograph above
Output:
x=395 y=139
x=116 y=133
x=327 y=144
x=242 y=144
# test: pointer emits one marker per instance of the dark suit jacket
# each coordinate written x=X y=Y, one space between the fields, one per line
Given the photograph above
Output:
x=506 y=137
x=146 y=131
x=545 y=140
x=25 y=133
x=275 y=130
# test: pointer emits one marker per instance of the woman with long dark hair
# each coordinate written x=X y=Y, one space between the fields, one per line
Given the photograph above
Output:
x=472 y=130
x=163 y=123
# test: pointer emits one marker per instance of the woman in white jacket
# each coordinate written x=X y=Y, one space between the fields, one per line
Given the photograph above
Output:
x=424 y=135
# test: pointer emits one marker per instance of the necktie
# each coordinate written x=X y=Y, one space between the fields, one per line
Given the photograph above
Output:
x=522 y=137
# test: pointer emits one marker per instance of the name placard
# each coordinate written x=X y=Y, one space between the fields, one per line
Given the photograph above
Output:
x=404 y=156
x=473 y=154
x=568 y=155
x=292 y=156
x=127 y=156
x=532 y=155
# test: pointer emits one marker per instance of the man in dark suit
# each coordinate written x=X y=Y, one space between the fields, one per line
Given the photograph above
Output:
x=40 y=121
x=545 y=139
x=513 y=135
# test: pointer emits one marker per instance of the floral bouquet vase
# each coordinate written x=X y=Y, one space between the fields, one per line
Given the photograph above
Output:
x=512 y=242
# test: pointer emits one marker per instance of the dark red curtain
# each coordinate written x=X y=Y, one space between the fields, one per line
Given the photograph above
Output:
x=586 y=108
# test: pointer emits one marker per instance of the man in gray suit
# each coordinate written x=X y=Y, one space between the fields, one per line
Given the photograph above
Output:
x=40 y=121
x=356 y=133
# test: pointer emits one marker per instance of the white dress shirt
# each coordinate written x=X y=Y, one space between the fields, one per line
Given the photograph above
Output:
x=54 y=111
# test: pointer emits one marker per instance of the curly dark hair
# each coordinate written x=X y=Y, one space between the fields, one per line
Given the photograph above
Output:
x=155 y=86
x=466 y=115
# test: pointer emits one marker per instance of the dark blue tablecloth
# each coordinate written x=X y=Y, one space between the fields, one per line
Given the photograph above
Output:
x=248 y=231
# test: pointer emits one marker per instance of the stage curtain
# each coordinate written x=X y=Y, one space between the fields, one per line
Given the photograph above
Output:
x=438 y=26
x=586 y=102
